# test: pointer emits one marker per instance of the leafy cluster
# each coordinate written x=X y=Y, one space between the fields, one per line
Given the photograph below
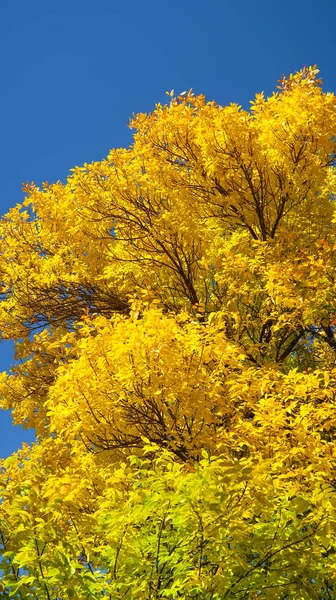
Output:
x=173 y=312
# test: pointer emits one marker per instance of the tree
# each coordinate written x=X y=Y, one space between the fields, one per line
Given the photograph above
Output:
x=173 y=312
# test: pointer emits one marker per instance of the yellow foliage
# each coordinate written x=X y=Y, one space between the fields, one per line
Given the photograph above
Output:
x=173 y=312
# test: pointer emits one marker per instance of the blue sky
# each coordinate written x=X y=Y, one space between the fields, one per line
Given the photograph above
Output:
x=73 y=72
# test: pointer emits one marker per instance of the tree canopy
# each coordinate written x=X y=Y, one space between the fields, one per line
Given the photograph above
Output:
x=173 y=312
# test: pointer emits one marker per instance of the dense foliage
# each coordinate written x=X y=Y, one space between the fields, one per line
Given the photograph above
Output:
x=173 y=312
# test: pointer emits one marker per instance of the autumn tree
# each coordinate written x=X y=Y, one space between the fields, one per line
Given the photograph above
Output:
x=173 y=312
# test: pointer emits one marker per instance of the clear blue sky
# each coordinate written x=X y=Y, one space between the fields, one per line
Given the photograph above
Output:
x=74 y=71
